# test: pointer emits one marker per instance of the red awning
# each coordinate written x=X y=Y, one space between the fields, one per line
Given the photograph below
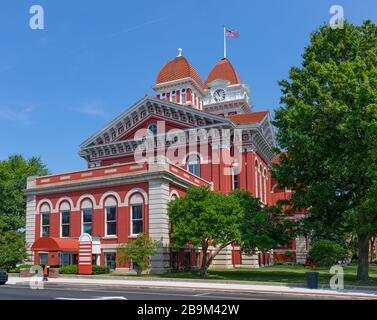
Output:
x=55 y=244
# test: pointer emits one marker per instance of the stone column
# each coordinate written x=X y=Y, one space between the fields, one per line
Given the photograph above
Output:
x=30 y=219
x=301 y=249
x=223 y=259
x=249 y=261
x=159 y=223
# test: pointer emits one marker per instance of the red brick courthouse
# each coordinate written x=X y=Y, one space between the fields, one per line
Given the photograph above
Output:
x=121 y=195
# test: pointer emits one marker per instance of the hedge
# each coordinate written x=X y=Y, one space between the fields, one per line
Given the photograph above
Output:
x=72 y=269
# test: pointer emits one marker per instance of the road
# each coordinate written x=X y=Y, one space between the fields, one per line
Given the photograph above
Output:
x=90 y=292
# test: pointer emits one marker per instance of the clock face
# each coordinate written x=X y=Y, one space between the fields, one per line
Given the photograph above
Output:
x=219 y=95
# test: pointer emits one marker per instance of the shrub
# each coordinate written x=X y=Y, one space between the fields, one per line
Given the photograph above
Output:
x=72 y=269
x=289 y=254
x=100 y=269
x=326 y=253
x=18 y=268
x=139 y=251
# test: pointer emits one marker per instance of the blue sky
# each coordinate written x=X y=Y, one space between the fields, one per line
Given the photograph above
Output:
x=95 y=58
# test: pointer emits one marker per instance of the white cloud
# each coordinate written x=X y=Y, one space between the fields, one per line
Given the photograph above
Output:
x=15 y=114
x=91 y=110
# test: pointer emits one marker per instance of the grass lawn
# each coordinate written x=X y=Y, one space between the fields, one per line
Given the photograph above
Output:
x=294 y=274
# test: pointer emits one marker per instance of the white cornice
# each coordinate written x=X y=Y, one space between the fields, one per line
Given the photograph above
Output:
x=128 y=112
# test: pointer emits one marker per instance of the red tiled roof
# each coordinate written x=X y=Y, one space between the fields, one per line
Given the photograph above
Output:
x=178 y=68
x=223 y=70
x=248 y=118
x=55 y=244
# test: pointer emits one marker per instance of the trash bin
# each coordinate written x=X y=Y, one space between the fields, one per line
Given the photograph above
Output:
x=312 y=280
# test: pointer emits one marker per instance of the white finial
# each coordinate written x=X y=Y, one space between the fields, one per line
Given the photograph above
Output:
x=180 y=52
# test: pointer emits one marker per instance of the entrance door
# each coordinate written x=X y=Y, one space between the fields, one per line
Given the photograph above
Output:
x=65 y=259
x=187 y=261
x=174 y=260
x=110 y=260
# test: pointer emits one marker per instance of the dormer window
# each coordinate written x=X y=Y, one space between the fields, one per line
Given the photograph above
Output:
x=153 y=128
x=183 y=96
x=173 y=96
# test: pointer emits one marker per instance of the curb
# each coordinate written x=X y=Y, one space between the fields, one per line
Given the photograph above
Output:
x=217 y=281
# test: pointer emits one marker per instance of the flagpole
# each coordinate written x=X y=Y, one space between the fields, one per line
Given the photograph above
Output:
x=224 y=42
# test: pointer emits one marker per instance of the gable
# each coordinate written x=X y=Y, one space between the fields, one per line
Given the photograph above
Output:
x=127 y=122
x=153 y=119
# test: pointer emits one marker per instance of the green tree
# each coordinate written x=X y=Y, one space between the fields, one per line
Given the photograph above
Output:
x=263 y=227
x=139 y=251
x=203 y=218
x=326 y=253
x=327 y=124
x=13 y=174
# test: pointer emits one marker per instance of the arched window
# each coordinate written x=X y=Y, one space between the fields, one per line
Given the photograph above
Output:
x=87 y=217
x=173 y=96
x=137 y=214
x=265 y=185
x=256 y=178
x=65 y=219
x=153 y=128
x=45 y=220
x=260 y=183
x=193 y=164
x=110 y=217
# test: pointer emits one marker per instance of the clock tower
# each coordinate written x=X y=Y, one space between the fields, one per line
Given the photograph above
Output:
x=225 y=92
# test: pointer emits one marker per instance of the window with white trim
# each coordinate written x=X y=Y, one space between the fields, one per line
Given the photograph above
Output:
x=65 y=219
x=111 y=217
x=65 y=223
x=256 y=178
x=87 y=217
x=183 y=96
x=265 y=185
x=45 y=220
x=260 y=183
x=173 y=96
x=235 y=178
x=193 y=164
x=136 y=215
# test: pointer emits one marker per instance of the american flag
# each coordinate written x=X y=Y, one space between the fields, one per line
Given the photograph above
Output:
x=231 y=33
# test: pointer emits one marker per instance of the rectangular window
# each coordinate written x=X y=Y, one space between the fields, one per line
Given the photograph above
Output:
x=183 y=97
x=65 y=224
x=43 y=258
x=45 y=224
x=87 y=221
x=137 y=219
x=111 y=221
x=194 y=168
x=236 y=178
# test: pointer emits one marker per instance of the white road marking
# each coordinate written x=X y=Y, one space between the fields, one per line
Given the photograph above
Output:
x=202 y=294
x=98 y=298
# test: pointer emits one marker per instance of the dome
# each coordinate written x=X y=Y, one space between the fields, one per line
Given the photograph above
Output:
x=176 y=69
x=223 y=70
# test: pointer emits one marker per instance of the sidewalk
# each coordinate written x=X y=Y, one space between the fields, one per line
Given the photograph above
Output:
x=208 y=286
